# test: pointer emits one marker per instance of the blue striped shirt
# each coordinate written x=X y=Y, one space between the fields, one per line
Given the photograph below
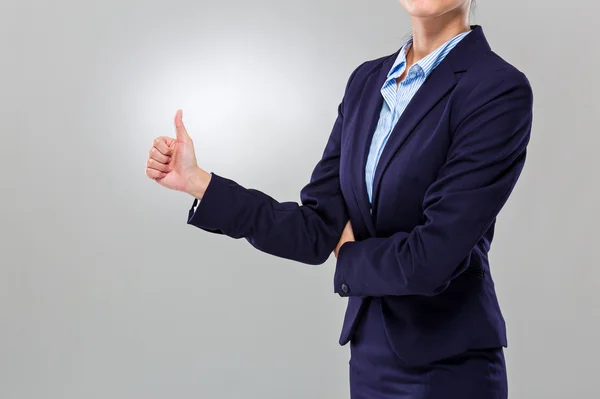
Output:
x=397 y=97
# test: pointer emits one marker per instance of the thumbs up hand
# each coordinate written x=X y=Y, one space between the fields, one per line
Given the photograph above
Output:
x=172 y=162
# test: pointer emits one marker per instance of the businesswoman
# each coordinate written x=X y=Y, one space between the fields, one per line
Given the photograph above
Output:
x=426 y=148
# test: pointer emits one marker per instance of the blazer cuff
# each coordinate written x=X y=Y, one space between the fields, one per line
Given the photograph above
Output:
x=211 y=213
x=341 y=285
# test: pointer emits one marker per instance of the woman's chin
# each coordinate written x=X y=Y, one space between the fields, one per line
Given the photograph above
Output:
x=426 y=13
x=431 y=8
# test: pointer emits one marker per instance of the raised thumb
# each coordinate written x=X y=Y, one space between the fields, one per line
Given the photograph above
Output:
x=182 y=134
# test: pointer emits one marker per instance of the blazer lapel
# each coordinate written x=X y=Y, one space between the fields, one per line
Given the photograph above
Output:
x=441 y=80
x=369 y=110
x=433 y=89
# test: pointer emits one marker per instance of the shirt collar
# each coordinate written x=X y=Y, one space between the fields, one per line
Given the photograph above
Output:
x=426 y=64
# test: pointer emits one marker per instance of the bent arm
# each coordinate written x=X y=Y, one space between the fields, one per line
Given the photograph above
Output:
x=485 y=159
x=306 y=232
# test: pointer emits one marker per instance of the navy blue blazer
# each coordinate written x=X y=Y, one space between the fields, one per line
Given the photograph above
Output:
x=448 y=168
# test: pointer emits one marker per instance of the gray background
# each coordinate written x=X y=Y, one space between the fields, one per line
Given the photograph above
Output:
x=105 y=292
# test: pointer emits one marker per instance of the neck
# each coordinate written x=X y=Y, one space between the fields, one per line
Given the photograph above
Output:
x=430 y=33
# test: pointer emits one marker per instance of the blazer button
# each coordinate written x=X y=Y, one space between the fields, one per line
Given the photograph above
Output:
x=345 y=288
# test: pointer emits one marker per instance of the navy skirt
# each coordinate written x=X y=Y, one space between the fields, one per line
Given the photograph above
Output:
x=376 y=372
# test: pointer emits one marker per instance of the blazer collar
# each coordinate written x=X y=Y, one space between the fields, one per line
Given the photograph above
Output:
x=475 y=42
x=428 y=63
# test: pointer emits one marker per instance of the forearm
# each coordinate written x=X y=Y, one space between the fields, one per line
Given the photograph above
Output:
x=305 y=233
x=416 y=263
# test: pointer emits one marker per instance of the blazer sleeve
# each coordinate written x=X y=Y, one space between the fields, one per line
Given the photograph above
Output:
x=306 y=232
x=484 y=161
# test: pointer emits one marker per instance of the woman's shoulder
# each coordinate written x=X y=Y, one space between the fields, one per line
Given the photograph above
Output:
x=491 y=68
x=490 y=80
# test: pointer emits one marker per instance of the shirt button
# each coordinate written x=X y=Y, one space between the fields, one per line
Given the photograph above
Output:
x=345 y=288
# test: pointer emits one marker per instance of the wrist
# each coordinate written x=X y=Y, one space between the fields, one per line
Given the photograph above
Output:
x=197 y=183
